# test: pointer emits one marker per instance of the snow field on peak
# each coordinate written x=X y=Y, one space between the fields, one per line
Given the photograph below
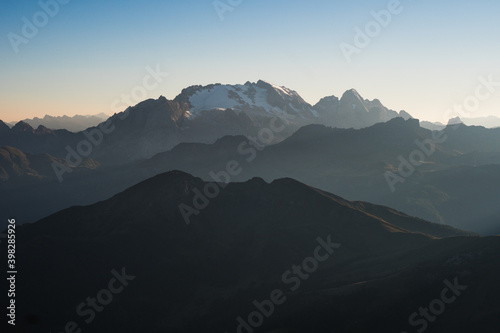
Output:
x=248 y=98
x=226 y=96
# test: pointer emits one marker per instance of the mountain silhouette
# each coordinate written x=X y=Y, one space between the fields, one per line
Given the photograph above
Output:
x=239 y=248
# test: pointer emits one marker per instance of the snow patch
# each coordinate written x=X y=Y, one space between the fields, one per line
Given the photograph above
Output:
x=208 y=99
x=248 y=98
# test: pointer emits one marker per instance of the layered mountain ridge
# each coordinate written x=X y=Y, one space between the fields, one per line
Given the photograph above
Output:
x=201 y=114
x=352 y=163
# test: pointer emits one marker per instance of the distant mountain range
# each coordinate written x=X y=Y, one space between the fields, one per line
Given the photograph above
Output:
x=351 y=163
x=305 y=259
x=272 y=132
x=488 y=122
x=73 y=124
x=203 y=114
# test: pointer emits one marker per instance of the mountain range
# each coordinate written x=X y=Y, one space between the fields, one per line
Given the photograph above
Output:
x=488 y=122
x=272 y=132
x=76 y=123
x=201 y=114
x=242 y=208
x=455 y=185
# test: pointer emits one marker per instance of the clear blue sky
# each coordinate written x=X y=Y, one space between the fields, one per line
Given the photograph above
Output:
x=426 y=60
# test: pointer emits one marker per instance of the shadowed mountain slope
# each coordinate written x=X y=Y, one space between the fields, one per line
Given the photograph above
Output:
x=203 y=275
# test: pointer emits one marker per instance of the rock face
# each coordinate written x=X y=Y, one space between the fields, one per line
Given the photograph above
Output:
x=352 y=111
x=155 y=126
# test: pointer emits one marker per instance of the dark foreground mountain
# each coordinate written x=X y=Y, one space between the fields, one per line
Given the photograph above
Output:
x=255 y=257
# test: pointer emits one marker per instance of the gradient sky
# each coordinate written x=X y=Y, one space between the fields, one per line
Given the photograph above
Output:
x=425 y=61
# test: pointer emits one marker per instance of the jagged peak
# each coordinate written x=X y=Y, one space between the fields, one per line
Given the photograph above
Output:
x=350 y=94
x=455 y=121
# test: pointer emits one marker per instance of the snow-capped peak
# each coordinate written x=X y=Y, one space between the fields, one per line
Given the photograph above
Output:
x=255 y=99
